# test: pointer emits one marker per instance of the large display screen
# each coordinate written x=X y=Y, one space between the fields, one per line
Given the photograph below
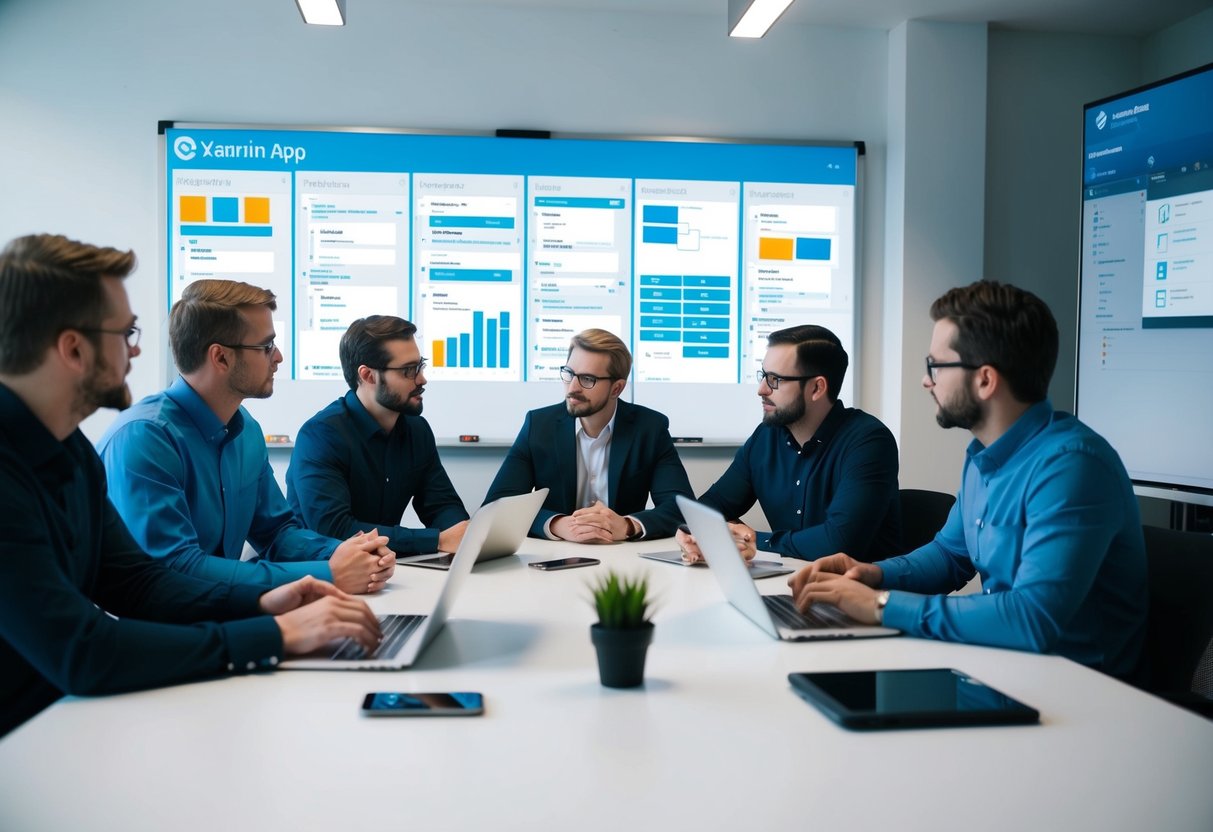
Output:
x=1145 y=352
x=500 y=249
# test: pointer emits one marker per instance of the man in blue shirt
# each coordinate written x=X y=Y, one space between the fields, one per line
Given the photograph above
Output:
x=824 y=474
x=188 y=468
x=358 y=463
x=82 y=610
x=599 y=457
x=1045 y=514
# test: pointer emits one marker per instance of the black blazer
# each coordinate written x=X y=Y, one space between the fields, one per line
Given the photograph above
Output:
x=643 y=461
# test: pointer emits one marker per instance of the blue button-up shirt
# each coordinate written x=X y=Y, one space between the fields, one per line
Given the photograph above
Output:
x=347 y=476
x=1047 y=516
x=192 y=490
x=837 y=493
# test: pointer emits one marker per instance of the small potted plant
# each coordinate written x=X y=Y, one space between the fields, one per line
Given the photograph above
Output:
x=623 y=632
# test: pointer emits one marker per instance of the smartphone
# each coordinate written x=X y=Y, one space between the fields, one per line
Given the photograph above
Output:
x=423 y=704
x=564 y=563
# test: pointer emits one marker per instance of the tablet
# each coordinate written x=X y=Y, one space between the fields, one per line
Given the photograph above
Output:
x=758 y=568
x=939 y=697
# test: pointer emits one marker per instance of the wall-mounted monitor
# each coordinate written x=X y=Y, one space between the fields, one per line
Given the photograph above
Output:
x=1145 y=351
x=501 y=248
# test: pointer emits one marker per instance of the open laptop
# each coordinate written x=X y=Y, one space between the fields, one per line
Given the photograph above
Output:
x=504 y=538
x=776 y=614
x=405 y=636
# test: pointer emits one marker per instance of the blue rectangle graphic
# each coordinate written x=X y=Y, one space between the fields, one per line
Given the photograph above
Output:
x=672 y=335
x=491 y=342
x=812 y=248
x=505 y=340
x=714 y=281
x=225 y=209
x=660 y=280
x=578 y=202
x=443 y=221
x=707 y=309
x=477 y=339
x=660 y=294
x=465 y=349
x=661 y=308
x=663 y=234
x=487 y=275
x=705 y=352
x=227 y=231
x=660 y=213
x=660 y=321
x=705 y=294
x=705 y=323
x=705 y=337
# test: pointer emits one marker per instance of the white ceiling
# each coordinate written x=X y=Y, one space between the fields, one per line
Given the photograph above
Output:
x=1104 y=17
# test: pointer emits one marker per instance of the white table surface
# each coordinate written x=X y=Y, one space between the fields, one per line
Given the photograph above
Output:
x=715 y=739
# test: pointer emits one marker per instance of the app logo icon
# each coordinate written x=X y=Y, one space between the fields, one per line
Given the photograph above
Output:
x=185 y=148
x=1101 y=120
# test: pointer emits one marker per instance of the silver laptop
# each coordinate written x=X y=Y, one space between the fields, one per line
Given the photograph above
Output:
x=504 y=538
x=405 y=636
x=776 y=614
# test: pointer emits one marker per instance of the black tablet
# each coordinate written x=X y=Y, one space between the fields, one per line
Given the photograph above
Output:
x=871 y=699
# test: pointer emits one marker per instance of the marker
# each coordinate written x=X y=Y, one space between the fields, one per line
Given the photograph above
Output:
x=277 y=439
x=469 y=437
x=688 y=440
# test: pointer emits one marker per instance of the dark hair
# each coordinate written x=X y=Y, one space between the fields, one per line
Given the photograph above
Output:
x=619 y=363
x=1006 y=327
x=818 y=352
x=49 y=283
x=363 y=343
x=209 y=313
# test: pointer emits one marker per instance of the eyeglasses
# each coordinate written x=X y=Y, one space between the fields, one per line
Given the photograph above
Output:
x=268 y=349
x=406 y=370
x=933 y=366
x=773 y=380
x=567 y=374
x=131 y=334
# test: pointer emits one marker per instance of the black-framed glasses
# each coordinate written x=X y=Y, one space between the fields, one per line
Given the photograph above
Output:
x=773 y=380
x=406 y=370
x=586 y=380
x=132 y=334
x=934 y=366
x=268 y=349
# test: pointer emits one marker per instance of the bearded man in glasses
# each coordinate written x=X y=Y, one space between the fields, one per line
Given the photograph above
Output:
x=600 y=457
x=188 y=468
x=359 y=462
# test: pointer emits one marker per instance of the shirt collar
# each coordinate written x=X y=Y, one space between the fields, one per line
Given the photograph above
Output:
x=200 y=413
x=30 y=439
x=826 y=430
x=1031 y=422
x=363 y=420
x=606 y=431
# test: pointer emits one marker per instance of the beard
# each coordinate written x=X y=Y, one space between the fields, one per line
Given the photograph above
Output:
x=581 y=408
x=963 y=411
x=93 y=393
x=243 y=383
x=393 y=401
x=785 y=415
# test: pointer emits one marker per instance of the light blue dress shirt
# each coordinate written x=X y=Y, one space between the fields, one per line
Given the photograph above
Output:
x=192 y=490
x=1047 y=516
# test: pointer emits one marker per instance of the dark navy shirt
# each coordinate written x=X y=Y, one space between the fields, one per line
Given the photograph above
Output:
x=66 y=560
x=347 y=475
x=837 y=493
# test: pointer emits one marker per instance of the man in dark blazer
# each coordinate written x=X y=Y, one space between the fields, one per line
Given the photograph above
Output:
x=600 y=457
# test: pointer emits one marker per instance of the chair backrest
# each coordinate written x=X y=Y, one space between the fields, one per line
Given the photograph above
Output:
x=923 y=514
x=1180 y=624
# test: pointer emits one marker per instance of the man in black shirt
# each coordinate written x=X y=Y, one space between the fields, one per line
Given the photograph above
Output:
x=82 y=609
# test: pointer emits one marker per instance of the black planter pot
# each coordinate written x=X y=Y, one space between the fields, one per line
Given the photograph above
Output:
x=621 y=654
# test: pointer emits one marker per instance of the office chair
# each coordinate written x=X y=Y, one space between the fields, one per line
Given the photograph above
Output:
x=923 y=514
x=1178 y=657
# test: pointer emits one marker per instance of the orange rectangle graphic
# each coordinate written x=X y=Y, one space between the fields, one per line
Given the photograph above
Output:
x=257 y=209
x=192 y=209
x=439 y=359
x=775 y=248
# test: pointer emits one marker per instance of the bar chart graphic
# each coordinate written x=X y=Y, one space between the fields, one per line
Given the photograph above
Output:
x=224 y=216
x=472 y=332
x=486 y=345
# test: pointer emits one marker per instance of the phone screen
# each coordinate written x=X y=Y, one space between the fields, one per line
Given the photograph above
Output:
x=565 y=563
x=423 y=704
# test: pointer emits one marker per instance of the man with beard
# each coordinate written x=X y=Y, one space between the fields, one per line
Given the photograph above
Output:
x=359 y=462
x=82 y=610
x=1046 y=512
x=188 y=468
x=601 y=458
x=825 y=475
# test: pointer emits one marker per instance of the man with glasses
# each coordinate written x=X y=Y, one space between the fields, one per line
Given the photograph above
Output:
x=188 y=467
x=825 y=475
x=1045 y=514
x=82 y=610
x=601 y=458
x=359 y=462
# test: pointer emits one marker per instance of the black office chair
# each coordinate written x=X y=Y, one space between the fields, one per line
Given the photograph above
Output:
x=923 y=514
x=1178 y=660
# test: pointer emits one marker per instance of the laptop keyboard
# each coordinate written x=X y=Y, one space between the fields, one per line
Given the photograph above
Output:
x=818 y=616
x=396 y=631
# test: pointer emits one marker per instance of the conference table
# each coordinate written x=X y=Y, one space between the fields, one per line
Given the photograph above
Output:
x=714 y=739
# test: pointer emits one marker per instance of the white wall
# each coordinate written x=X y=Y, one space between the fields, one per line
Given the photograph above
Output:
x=1186 y=45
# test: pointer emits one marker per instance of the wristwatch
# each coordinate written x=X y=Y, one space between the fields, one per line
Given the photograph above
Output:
x=882 y=599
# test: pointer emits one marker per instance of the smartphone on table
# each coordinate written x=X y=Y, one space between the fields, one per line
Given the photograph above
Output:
x=464 y=703
x=563 y=563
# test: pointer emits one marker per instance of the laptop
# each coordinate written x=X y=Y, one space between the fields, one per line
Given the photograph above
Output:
x=505 y=536
x=775 y=614
x=405 y=636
